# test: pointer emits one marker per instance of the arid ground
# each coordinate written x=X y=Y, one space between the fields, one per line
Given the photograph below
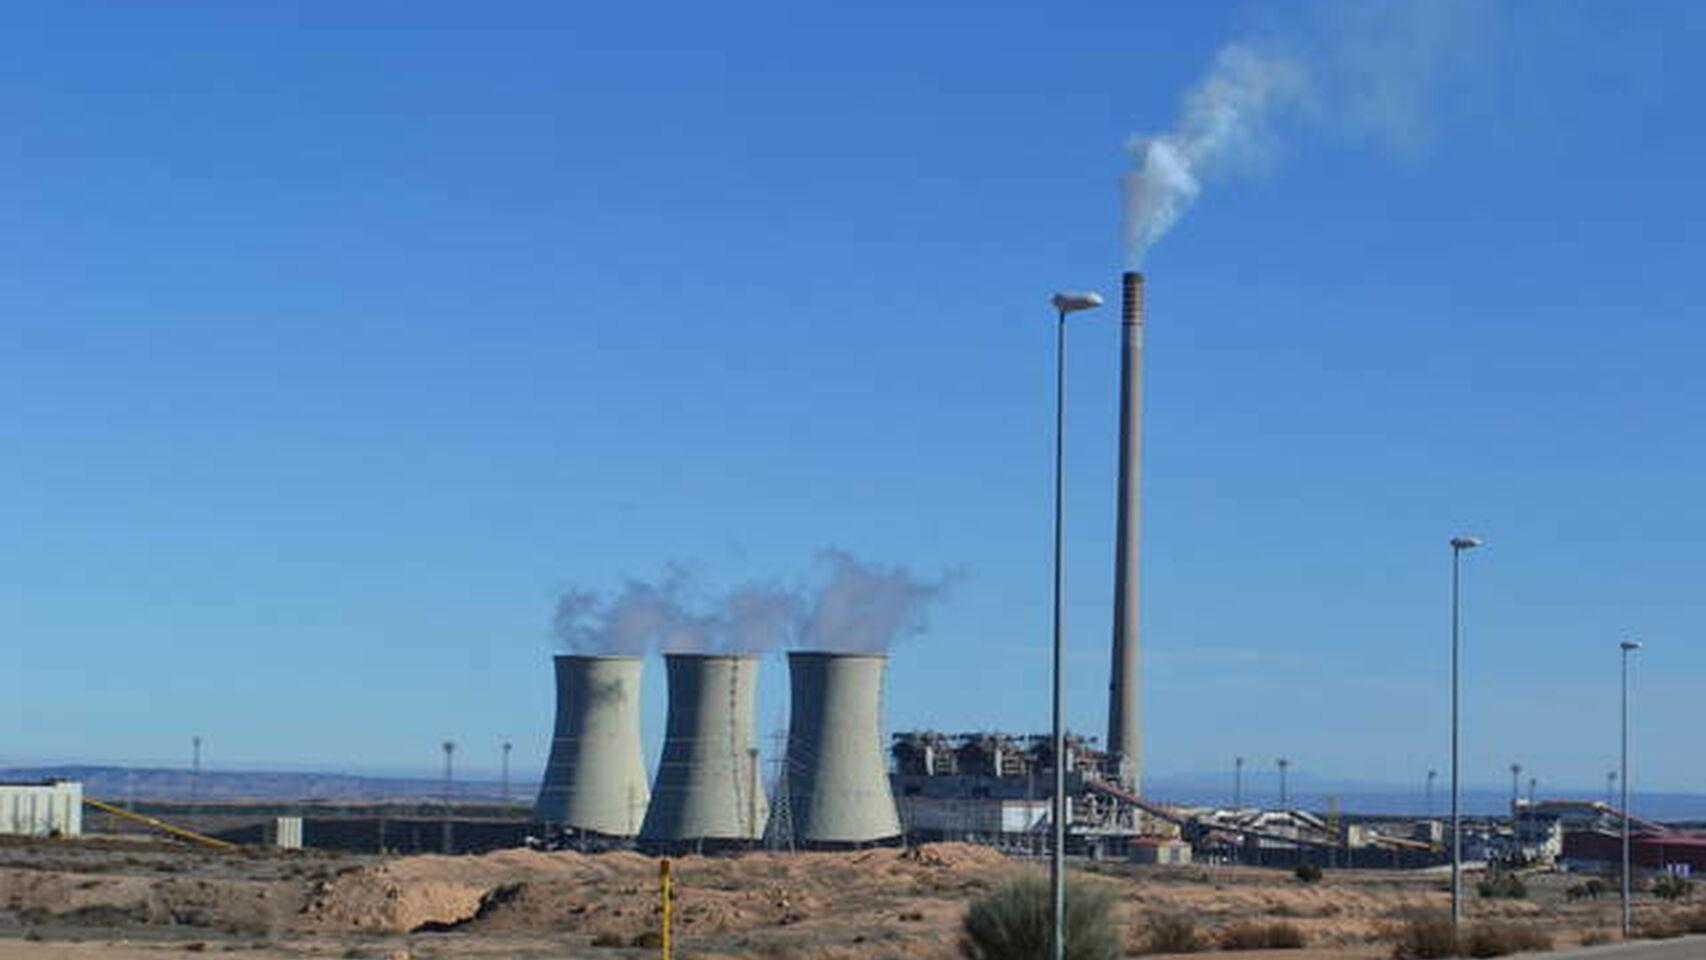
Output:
x=96 y=899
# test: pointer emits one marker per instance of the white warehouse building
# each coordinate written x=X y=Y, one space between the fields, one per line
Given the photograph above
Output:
x=42 y=809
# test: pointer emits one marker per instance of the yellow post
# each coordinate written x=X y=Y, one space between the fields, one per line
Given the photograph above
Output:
x=667 y=896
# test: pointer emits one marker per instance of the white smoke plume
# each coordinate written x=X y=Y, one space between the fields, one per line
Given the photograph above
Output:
x=629 y=623
x=1365 y=70
x=865 y=608
x=856 y=607
x=1225 y=117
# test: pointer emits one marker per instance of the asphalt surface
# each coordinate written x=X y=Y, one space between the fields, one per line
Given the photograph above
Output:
x=1682 y=948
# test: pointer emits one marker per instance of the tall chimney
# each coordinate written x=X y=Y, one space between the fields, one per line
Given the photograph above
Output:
x=708 y=786
x=595 y=779
x=1124 y=723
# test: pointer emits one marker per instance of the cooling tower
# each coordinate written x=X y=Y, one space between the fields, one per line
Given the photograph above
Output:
x=1124 y=723
x=595 y=779
x=708 y=786
x=835 y=785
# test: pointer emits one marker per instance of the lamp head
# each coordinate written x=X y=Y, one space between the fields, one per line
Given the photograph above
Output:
x=1074 y=302
x=1466 y=542
x=1630 y=645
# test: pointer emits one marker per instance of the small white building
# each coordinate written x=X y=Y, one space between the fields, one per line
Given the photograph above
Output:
x=53 y=809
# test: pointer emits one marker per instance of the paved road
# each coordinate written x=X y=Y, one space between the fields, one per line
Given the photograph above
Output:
x=1684 y=948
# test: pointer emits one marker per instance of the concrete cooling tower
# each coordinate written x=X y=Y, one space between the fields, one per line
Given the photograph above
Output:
x=708 y=788
x=835 y=785
x=595 y=779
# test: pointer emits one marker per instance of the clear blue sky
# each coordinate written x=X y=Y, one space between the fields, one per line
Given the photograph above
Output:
x=335 y=339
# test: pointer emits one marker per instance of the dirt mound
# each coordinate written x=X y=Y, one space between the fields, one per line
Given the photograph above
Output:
x=616 y=893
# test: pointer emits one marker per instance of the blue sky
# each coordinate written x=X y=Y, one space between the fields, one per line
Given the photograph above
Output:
x=335 y=340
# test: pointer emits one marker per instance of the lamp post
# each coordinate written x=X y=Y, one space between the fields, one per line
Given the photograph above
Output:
x=1428 y=793
x=1282 y=763
x=1064 y=305
x=1458 y=545
x=1628 y=647
x=449 y=747
x=195 y=774
x=506 y=749
x=1610 y=787
x=1237 y=783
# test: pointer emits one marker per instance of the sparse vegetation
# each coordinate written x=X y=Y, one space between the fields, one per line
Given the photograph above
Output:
x=1427 y=935
x=1502 y=886
x=1011 y=922
x=608 y=939
x=1172 y=933
x=1251 y=935
x=1498 y=938
x=1595 y=937
x=1672 y=887
x=1424 y=935
x=1308 y=872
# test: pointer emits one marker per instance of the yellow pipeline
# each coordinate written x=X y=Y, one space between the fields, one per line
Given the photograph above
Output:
x=161 y=825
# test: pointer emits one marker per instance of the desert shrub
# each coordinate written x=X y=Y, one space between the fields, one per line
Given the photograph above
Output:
x=1308 y=872
x=1594 y=887
x=1497 y=938
x=1672 y=887
x=1172 y=933
x=1695 y=922
x=1424 y=935
x=1011 y=922
x=1251 y=935
x=1595 y=937
x=648 y=940
x=1502 y=886
x=608 y=939
x=1660 y=928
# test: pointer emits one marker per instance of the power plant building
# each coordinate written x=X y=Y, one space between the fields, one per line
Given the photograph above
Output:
x=595 y=779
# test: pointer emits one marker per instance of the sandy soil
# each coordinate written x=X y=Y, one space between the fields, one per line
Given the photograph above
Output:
x=93 y=900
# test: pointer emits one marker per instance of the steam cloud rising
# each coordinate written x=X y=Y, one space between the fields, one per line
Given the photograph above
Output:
x=1365 y=68
x=854 y=607
x=1225 y=116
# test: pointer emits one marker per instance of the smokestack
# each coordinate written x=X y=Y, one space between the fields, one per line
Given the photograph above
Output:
x=595 y=779
x=1124 y=724
x=708 y=785
x=835 y=785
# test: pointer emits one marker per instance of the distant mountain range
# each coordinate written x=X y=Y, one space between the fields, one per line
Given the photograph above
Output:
x=169 y=784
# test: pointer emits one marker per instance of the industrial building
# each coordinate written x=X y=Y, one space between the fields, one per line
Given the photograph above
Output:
x=995 y=788
x=50 y=809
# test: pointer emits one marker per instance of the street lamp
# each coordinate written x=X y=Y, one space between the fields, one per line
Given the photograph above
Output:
x=1237 y=783
x=1282 y=763
x=449 y=747
x=1458 y=545
x=1064 y=304
x=1628 y=647
x=1429 y=793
